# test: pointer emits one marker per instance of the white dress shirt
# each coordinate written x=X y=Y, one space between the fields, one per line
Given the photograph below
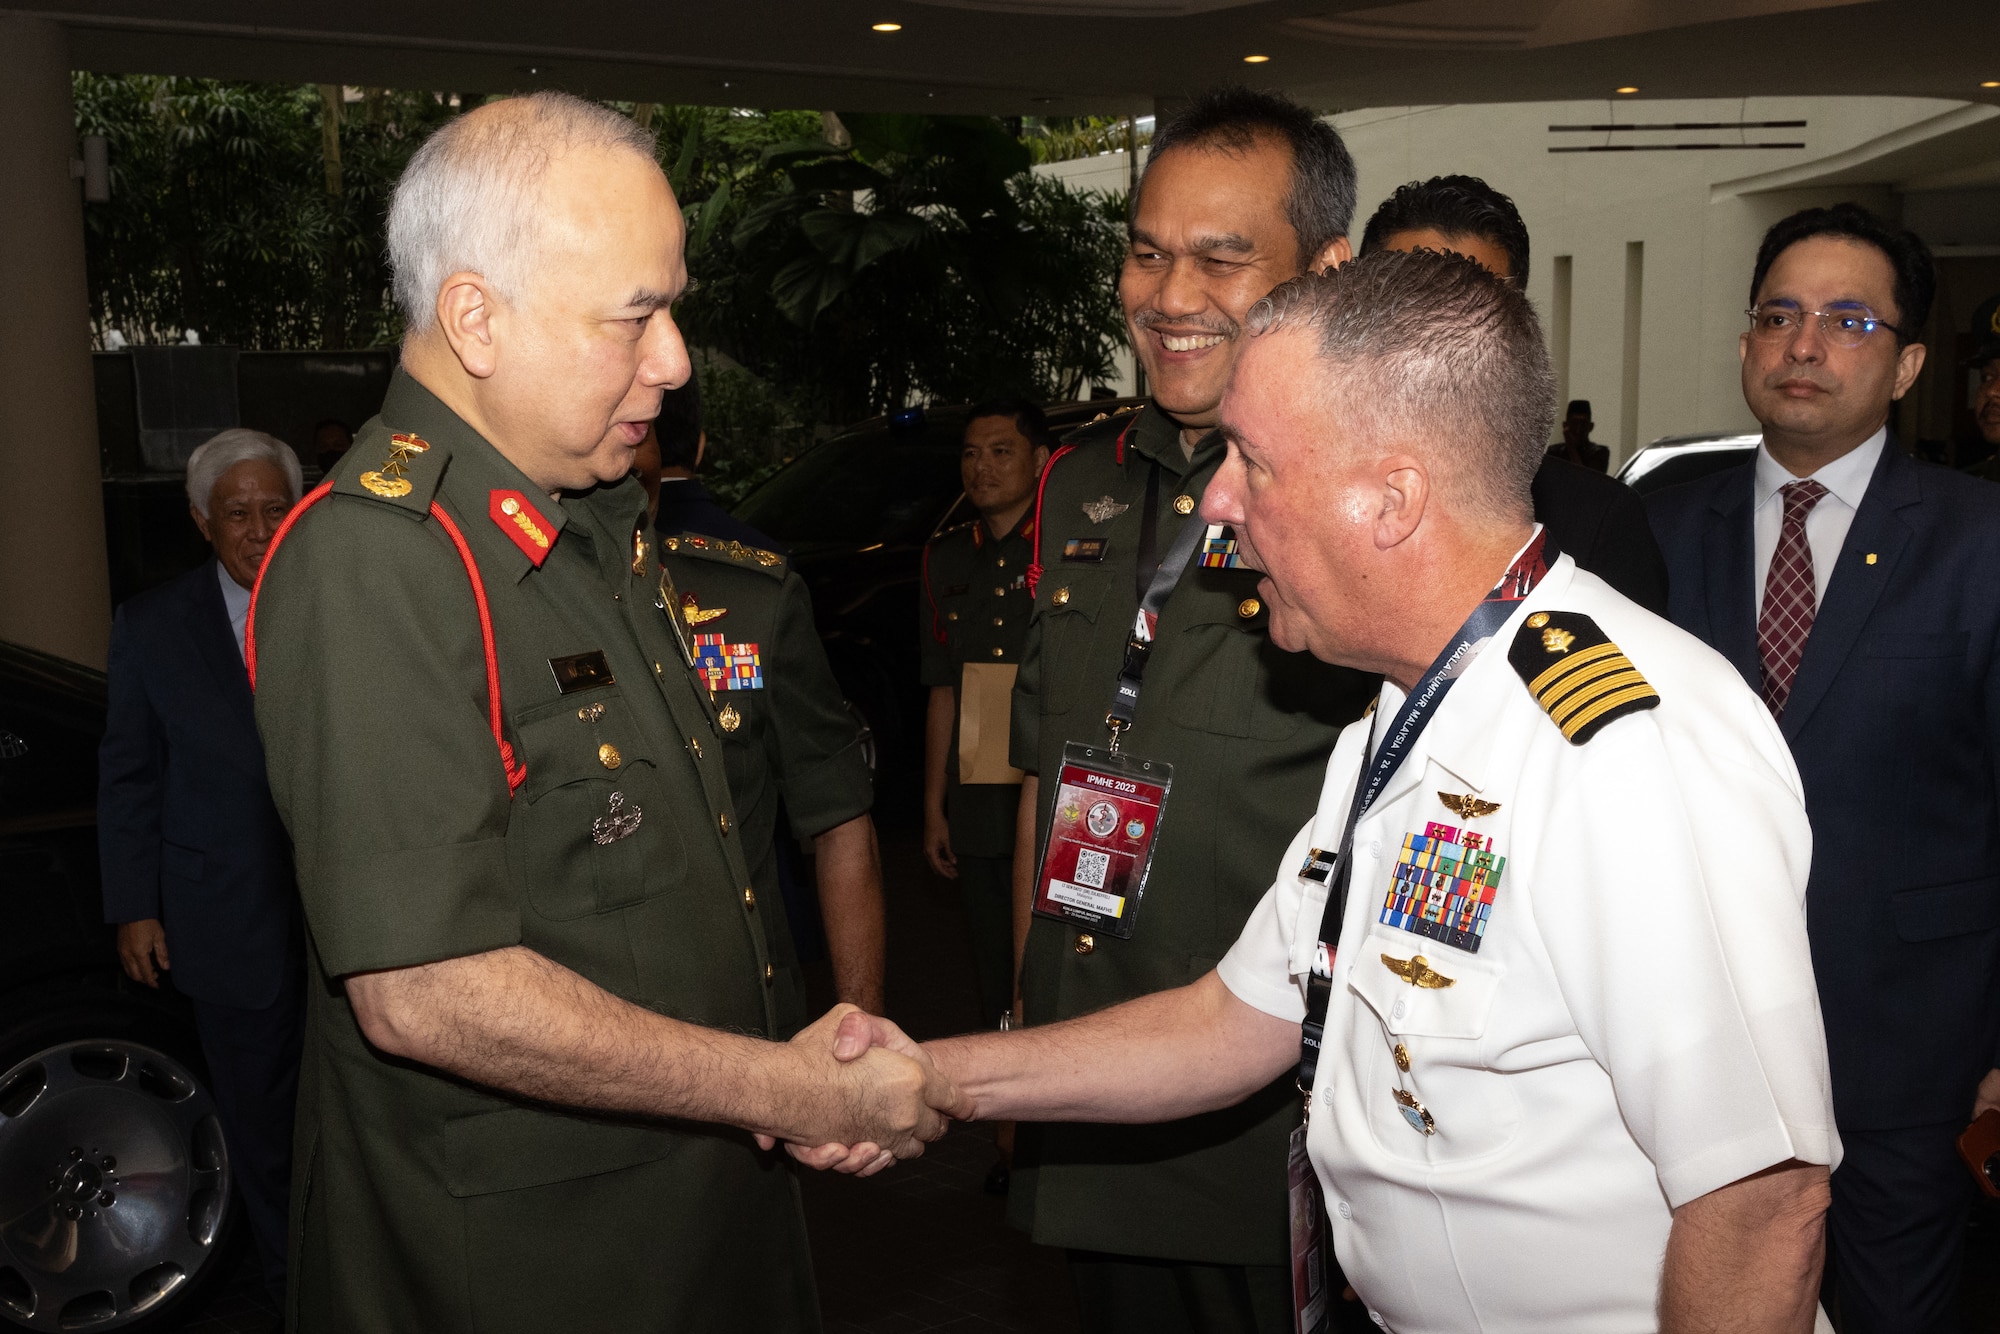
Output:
x=1846 y=481
x=1637 y=1027
x=236 y=601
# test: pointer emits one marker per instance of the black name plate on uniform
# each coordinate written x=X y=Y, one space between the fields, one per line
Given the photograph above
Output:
x=581 y=671
x=1085 y=548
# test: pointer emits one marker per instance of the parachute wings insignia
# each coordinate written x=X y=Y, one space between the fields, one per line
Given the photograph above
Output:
x=1581 y=679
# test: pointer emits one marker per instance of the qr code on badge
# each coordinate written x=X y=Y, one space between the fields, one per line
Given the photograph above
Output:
x=1091 y=867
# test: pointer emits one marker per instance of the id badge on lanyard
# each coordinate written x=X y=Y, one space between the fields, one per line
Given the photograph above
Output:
x=1102 y=832
x=1310 y=1302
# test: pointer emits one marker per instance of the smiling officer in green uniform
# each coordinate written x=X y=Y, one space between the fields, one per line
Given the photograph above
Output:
x=531 y=1056
x=1183 y=1225
x=973 y=622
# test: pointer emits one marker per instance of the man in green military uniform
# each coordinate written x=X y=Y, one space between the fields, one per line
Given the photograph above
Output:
x=973 y=622
x=1179 y=1226
x=787 y=734
x=532 y=1052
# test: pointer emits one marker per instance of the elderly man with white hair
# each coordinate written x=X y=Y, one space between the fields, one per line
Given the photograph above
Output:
x=197 y=871
x=540 y=1089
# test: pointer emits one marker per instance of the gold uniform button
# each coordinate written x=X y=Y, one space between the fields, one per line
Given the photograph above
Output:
x=1061 y=598
x=722 y=823
x=999 y=652
x=1402 y=1057
x=1538 y=620
x=951 y=616
x=999 y=620
x=1002 y=562
x=1248 y=607
x=590 y=713
x=1183 y=504
x=769 y=973
x=658 y=670
x=1085 y=943
x=750 y=898
x=608 y=756
x=999 y=592
x=694 y=744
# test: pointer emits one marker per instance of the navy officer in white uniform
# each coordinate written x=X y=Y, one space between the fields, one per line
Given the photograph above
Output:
x=1573 y=1077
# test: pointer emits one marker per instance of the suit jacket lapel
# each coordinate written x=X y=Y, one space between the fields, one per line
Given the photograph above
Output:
x=216 y=642
x=1729 y=576
x=1852 y=591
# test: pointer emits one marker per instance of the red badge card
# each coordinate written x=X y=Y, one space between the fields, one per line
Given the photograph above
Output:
x=1102 y=833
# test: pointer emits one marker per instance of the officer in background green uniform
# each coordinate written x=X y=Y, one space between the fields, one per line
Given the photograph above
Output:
x=788 y=735
x=531 y=1056
x=973 y=622
x=1178 y=1226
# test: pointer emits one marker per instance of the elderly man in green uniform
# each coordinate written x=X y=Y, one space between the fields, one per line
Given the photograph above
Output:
x=973 y=622
x=1179 y=1226
x=533 y=1085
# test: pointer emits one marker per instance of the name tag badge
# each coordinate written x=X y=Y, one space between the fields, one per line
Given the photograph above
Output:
x=1308 y=1210
x=1086 y=548
x=1102 y=833
x=581 y=671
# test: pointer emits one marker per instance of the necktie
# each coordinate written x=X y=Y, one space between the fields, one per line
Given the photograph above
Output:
x=1789 y=601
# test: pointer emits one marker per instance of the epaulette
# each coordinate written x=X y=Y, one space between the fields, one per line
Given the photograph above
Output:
x=1104 y=426
x=1578 y=676
x=728 y=551
x=943 y=533
x=406 y=476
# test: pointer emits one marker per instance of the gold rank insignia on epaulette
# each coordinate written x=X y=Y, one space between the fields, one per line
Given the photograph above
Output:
x=727 y=549
x=1579 y=677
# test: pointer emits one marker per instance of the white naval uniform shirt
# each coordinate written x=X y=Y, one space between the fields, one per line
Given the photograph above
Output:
x=1638 y=1026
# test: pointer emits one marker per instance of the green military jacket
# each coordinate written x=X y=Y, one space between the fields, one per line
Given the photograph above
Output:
x=787 y=733
x=1247 y=728
x=422 y=1201
x=975 y=610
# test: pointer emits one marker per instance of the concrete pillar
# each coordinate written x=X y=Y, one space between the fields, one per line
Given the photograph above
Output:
x=55 y=589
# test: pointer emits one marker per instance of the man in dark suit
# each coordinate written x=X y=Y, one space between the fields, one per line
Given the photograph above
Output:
x=197 y=868
x=1854 y=587
x=1601 y=523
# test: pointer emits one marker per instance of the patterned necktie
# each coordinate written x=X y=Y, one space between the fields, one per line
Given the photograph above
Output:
x=1789 y=601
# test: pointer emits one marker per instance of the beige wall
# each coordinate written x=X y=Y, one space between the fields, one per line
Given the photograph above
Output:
x=54 y=584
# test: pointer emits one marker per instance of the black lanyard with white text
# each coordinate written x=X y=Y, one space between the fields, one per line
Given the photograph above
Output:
x=1166 y=576
x=1398 y=740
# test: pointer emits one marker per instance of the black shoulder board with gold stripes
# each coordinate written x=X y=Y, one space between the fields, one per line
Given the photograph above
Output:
x=1577 y=674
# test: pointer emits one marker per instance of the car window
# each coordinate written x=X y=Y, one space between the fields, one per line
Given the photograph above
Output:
x=863 y=489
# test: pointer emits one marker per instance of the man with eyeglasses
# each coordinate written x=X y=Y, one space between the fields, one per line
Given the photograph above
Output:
x=1853 y=586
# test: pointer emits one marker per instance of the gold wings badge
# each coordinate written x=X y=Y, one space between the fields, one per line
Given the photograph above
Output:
x=1466 y=806
x=1417 y=971
x=697 y=614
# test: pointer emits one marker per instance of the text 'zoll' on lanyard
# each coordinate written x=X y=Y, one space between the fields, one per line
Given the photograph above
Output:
x=1397 y=742
x=1152 y=600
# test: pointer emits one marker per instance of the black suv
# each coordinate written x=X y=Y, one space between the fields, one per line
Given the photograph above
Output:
x=855 y=513
x=115 y=1205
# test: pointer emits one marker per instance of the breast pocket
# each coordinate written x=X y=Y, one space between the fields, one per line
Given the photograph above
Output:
x=1229 y=678
x=591 y=829
x=1070 y=615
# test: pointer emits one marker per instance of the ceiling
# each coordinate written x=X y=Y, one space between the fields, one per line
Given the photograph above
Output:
x=1059 y=57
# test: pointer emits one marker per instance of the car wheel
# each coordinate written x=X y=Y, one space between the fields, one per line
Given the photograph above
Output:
x=115 y=1199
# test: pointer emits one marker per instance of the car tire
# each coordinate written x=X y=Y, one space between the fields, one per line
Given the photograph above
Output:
x=116 y=1211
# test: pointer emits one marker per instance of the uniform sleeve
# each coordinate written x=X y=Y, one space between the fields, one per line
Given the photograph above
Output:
x=371 y=698
x=934 y=666
x=822 y=769
x=131 y=767
x=1669 y=887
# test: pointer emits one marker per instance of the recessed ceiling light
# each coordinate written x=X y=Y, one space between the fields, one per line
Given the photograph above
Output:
x=886 y=27
x=1255 y=60
x=1991 y=83
x=1628 y=88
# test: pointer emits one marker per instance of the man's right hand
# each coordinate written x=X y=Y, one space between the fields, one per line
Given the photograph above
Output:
x=937 y=844
x=878 y=1104
x=142 y=949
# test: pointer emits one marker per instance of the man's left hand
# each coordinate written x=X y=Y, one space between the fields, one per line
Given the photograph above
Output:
x=1987 y=1099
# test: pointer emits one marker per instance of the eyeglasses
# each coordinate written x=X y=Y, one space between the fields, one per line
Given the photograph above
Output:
x=1843 y=326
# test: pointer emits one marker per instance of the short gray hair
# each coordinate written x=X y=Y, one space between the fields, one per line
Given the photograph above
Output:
x=467 y=200
x=1437 y=349
x=219 y=453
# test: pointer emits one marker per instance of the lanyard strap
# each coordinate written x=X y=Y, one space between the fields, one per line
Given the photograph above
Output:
x=1165 y=577
x=1397 y=743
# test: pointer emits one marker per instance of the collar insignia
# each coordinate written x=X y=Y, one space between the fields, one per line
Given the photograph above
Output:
x=523 y=523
